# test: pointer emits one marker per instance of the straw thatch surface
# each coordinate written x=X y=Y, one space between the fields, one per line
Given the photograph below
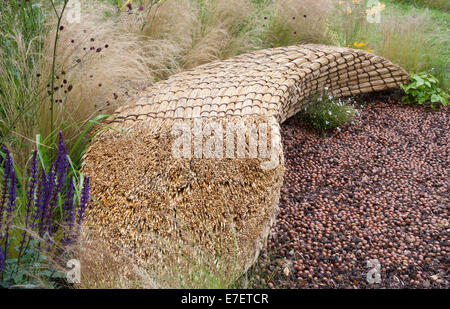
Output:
x=225 y=206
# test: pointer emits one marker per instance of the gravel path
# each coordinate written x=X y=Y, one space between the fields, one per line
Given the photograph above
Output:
x=378 y=189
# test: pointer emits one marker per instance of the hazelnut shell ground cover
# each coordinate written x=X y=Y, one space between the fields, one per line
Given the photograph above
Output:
x=377 y=189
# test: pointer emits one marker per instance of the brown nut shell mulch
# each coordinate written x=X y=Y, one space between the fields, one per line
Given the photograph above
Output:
x=378 y=189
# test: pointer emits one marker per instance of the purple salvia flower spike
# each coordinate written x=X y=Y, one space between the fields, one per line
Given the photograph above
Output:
x=41 y=203
x=6 y=175
x=32 y=181
x=31 y=187
x=11 y=198
x=50 y=190
x=39 y=199
x=2 y=262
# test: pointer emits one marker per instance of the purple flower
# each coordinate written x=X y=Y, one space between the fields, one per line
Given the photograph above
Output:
x=12 y=195
x=12 y=191
x=31 y=186
x=50 y=200
x=6 y=177
x=2 y=262
x=39 y=200
x=129 y=6
x=10 y=184
x=32 y=181
x=45 y=191
x=44 y=210
x=140 y=8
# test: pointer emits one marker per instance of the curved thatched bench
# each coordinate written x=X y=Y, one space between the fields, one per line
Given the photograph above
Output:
x=223 y=205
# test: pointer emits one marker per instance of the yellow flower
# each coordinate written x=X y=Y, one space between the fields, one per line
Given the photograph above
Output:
x=375 y=9
x=341 y=3
x=356 y=1
x=349 y=11
x=358 y=45
x=370 y=50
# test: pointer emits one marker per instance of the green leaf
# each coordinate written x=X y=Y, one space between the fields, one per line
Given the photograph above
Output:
x=435 y=98
x=38 y=148
x=420 y=81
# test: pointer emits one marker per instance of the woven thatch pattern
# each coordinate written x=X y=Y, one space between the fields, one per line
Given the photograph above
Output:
x=265 y=82
x=220 y=205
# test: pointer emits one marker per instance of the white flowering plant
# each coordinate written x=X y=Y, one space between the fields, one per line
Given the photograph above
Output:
x=326 y=112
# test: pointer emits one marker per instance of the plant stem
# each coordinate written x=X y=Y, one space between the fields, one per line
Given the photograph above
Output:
x=59 y=17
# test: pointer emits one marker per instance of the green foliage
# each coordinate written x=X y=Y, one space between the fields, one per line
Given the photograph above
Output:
x=432 y=4
x=32 y=258
x=35 y=270
x=414 y=37
x=416 y=42
x=21 y=27
x=325 y=112
x=22 y=31
x=423 y=87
